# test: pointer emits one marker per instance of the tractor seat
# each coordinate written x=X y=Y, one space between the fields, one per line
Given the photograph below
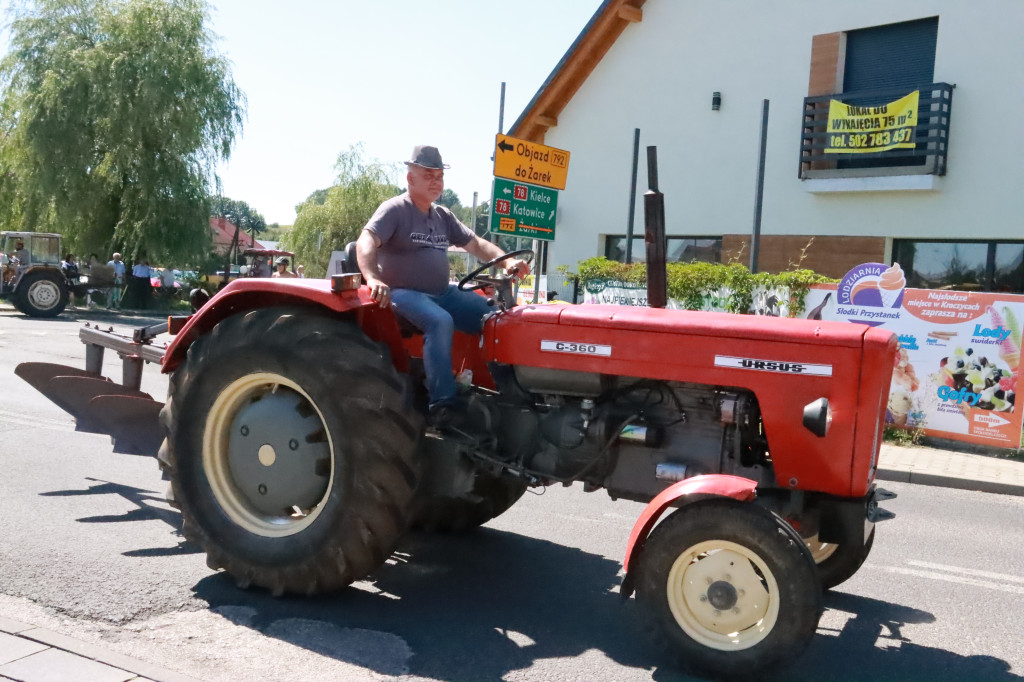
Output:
x=351 y=265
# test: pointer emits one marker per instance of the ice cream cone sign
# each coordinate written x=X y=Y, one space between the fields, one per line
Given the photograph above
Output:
x=890 y=285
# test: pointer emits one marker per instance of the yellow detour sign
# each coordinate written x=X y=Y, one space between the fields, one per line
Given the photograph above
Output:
x=858 y=130
x=530 y=162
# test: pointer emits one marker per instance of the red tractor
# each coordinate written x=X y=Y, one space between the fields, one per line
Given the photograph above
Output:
x=295 y=441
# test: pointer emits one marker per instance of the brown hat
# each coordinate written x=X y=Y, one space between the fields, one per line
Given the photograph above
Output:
x=426 y=157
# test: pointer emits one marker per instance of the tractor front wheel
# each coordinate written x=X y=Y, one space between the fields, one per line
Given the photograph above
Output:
x=290 y=446
x=729 y=588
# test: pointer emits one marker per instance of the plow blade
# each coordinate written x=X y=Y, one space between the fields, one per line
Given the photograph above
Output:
x=99 y=405
x=133 y=422
x=38 y=373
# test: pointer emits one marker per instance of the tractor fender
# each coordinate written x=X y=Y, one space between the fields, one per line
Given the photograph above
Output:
x=724 y=485
x=249 y=294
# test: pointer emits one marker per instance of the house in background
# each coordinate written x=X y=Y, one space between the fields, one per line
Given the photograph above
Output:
x=692 y=75
x=224 y=236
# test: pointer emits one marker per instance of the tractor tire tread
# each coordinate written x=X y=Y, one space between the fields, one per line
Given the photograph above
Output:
x=382 y=456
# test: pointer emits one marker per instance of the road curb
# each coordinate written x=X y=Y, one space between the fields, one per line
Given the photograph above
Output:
x=91 y=652
x=945 y=481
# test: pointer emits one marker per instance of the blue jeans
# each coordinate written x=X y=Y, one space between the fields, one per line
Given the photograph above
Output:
x=438 y=316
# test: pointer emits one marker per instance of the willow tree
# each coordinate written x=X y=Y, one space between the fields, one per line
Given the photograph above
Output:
x=359 y=189
x=114 y=115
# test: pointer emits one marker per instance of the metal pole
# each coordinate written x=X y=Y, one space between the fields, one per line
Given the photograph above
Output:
x=488 y=235
x=654 y=235
x=472 y=214
x=632 y=197
x=501 y=110
x=537 y=260
x=755 y=240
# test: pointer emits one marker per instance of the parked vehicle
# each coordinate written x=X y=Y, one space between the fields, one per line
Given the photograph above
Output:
x=31 y=275
x=295 y=440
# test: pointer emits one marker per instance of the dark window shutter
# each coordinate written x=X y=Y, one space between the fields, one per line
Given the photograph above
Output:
x=892 y=56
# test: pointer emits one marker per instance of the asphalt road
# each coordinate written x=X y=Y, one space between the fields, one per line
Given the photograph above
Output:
x=89 y=548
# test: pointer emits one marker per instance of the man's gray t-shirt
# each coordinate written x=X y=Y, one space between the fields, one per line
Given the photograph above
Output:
x=413 y=253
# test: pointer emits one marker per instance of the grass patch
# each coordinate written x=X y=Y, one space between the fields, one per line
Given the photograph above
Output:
x=903 y=437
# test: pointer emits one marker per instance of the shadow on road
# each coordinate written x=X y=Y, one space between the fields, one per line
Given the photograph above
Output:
x=467 y=607
x=482 y=605
x=149 y=506
x=872 y=646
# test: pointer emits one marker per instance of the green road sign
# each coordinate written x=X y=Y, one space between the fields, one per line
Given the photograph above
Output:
x=521 y=210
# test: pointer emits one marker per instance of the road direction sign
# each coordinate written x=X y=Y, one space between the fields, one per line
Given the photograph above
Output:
x=530 y=162
x=522 y=210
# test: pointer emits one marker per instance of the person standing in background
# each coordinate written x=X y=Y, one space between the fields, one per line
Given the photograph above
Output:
x=114 y=299
x=139 y=286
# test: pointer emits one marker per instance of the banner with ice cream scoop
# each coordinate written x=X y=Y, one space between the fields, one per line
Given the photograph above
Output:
x=958 y=370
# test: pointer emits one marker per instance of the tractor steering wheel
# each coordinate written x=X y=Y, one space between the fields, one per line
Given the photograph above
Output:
x=487 y=280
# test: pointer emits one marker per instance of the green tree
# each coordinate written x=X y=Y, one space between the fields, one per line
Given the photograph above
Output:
x=449 y=199
x=322 y=228
x=114 y=114
x=238 y=213
x=317 y=197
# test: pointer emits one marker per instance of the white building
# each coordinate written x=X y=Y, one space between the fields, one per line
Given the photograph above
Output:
x=949 y=209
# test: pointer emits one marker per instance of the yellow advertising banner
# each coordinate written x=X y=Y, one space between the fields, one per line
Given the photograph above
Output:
x=858 y=130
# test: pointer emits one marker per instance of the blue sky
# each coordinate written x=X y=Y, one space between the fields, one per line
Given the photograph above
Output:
x=321 y=76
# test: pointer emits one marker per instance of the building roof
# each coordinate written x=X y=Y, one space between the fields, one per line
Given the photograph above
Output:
x=224 y=234
x=579 y=61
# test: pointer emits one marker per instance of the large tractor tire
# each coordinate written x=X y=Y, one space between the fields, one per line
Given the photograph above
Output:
x=290 y=447
x=729 y=588
x=491 y=497
x=41 y=294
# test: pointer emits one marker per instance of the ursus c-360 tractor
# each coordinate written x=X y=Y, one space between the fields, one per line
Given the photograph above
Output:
x=295 y=441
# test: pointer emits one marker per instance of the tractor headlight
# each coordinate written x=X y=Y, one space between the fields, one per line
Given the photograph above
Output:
x=818 y=417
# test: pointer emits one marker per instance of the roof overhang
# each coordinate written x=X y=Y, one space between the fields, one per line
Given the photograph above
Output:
x=579 y=61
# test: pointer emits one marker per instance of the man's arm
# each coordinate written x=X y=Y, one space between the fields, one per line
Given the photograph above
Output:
x=486 y=251
x=366 y=256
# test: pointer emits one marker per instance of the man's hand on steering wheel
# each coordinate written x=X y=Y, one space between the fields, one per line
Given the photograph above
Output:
x=517 y=269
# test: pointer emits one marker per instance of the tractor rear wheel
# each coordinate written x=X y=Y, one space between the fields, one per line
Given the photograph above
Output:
x=729 y=588
x=290 y=447
x=41 y=294
x=491 y=497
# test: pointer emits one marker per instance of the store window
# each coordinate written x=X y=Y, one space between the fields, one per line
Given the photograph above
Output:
x=962 y=265
x=677 y=249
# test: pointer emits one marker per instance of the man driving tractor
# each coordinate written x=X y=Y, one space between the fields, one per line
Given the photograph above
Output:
x=403 y=255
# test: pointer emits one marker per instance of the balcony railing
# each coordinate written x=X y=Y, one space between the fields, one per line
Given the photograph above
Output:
x=931 y=136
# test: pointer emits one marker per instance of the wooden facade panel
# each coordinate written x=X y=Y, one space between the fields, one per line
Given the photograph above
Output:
x=829 y=256
x=824 y=64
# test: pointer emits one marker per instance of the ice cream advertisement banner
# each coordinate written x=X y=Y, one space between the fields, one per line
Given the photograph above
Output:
x=958 y=369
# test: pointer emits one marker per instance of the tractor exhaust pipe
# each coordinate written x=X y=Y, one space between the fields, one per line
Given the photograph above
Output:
x=654 y=234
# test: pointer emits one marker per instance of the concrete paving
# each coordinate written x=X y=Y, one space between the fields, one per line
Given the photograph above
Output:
x=31 y=654
x=989 y=473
